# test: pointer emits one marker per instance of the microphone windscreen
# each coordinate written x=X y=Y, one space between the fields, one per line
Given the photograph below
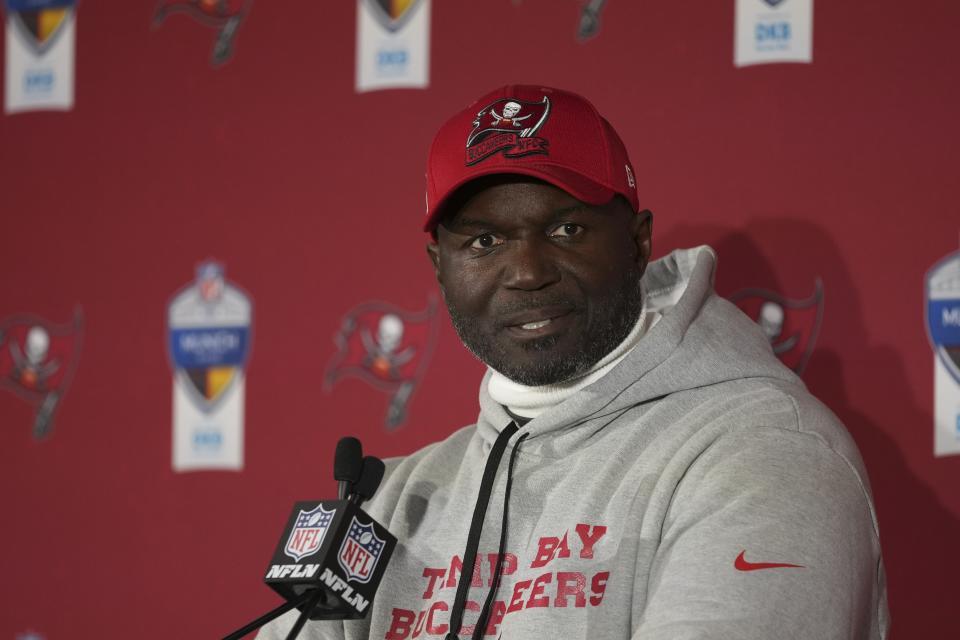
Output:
x=370 y=477
x=348 y=460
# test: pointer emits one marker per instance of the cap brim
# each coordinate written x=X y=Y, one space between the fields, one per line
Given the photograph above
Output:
x=579 y=186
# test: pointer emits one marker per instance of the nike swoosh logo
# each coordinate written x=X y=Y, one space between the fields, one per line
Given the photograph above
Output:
x=740 y=564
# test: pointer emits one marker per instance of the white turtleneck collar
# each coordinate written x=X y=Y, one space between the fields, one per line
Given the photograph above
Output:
x=530 y=402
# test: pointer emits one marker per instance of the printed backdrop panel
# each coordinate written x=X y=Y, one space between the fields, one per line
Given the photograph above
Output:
x=235 y=132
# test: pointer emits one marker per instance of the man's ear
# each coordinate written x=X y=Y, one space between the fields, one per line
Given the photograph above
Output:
x=642 y=237
x=433 y=250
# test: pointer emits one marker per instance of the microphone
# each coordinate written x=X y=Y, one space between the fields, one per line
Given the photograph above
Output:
x=347 y=465
x=371 y=474
x=331 y=555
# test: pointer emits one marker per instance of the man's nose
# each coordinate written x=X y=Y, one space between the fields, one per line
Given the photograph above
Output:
x=530 y=266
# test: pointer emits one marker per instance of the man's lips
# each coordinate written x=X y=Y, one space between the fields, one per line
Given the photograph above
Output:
x=535 y=316
x=537 y=323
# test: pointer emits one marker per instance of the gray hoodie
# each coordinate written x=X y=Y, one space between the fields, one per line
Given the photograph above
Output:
x=695 y=491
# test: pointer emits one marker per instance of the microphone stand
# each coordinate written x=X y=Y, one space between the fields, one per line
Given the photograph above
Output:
x=302 y=620
x=279 y=611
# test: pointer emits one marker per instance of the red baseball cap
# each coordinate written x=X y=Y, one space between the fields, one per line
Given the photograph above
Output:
x=545 y=133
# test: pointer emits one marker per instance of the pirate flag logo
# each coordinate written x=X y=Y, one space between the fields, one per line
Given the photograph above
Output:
x=942 y=292
x=589 y=25
x=308 y=532
x=386 y=347
x=223 y=15
x=37 y=362
x=792 y=326
x=360 y=551
x=40 y=22
x=393 y=14
x=508 y=125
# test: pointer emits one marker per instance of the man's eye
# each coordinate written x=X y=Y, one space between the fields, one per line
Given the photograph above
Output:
x=567 y=230
x=485 y=241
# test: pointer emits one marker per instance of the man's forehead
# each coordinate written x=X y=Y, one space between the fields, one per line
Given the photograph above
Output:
x=503 y=195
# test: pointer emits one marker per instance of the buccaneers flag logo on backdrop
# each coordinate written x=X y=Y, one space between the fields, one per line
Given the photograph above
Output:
x=388 y=348
x=37 y=362
x=792 y=326
x=223 y=15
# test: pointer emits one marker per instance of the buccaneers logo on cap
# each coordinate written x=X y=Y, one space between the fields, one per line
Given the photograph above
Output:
x=791 y=326
x=508 y=125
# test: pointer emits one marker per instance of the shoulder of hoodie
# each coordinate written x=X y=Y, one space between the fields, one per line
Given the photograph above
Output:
x=781 y=412
x=774 y=401
x=780 y=404
x=441 y=458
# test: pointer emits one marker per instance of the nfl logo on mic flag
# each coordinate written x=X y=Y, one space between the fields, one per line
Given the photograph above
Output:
x=335 y=547
x=307 y=534
x=360 y=551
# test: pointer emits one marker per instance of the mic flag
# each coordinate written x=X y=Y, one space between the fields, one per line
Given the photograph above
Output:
x=333 y=546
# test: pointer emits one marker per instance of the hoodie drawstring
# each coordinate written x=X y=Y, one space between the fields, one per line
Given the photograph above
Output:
x=473 y=538
x=498 y=569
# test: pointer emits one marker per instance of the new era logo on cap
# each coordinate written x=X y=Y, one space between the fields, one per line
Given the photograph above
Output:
x=545 y=133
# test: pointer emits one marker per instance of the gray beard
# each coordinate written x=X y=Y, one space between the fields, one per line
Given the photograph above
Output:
x=612 y=322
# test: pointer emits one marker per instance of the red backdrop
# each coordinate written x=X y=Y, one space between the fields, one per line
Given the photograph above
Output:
x=312 y=196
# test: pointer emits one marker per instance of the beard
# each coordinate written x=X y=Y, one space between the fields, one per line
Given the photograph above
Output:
x=609 y=319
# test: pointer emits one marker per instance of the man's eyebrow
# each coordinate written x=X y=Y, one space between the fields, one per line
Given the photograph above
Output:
x=463 y=222
x=573 y=208
x=459 y=221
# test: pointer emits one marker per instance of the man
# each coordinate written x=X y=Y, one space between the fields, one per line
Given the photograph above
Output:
x=665 y=476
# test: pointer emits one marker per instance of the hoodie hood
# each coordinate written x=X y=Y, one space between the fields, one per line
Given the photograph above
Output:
x=676 y=355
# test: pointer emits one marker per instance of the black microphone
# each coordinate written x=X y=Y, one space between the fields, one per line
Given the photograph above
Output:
x=371 y=473
x=332 y=555
x=347 y=465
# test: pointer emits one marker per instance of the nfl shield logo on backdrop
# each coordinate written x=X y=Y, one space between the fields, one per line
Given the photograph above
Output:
x=209 y=335
x=942 y=307
x=943 y=312
x=39 y=53
x=360 y=552
x=393 y=14
x=308 y=532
